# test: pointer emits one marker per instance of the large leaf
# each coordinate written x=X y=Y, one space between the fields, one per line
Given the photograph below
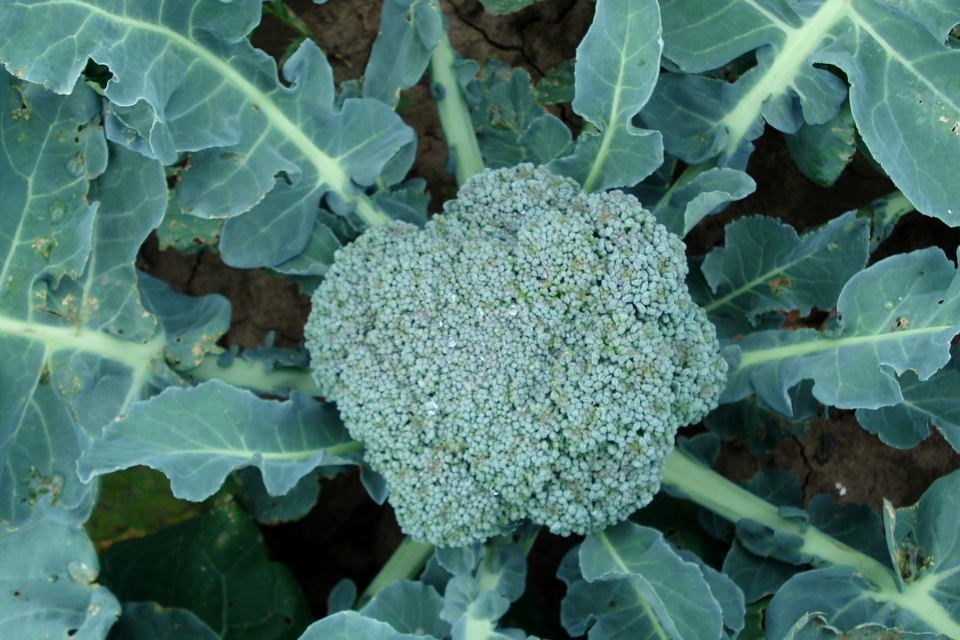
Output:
x=203 y=88
x=903 y=93
x=150 y=621
x=199 y=435
x=633 y=584
x=215 y=566
x=901 y=313
x=935 y=402
x=617 y=66
x=77 y=343
x=814 y=627
x=350 y=625
x=48 y=584
x=925 y=597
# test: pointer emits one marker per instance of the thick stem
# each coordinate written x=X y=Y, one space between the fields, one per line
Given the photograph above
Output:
x=454 y=113
x=251 y=375
x=732 y=502
x=405 y=564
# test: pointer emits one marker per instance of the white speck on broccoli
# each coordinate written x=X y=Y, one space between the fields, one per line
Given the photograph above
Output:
x=529 y=354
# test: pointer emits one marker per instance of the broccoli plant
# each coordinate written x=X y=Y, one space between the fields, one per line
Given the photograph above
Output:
x=511 y=369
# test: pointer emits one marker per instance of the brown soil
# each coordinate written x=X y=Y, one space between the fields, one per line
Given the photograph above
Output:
x=347 y=535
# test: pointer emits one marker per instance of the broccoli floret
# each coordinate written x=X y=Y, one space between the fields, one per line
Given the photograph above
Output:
x=529 y=354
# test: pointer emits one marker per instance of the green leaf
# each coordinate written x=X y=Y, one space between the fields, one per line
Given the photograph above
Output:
x=77 y=344
x=925 y=598
x=635 y=585
x=409 y=607
x=268 y=509
x=512 y=127
x=765 y=266
x=48 y=584
x=187 y=234
x=316 y=257
x=197 y=436
x=618 y=63
x=558 y=85
x=150 y=621
x=902 y=92
x=933 y=402
x=822 y=151
x=758 y=427
x=243 y=135
x=708 y=193
x=900 y=313
x=350 y=625
x=215 y=566
x=813 y=626
x=409 y=32
x=725 y=591
x=501 y=7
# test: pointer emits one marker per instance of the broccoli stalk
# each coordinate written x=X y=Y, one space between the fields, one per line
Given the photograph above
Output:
x=707 y=488
x=454 y=114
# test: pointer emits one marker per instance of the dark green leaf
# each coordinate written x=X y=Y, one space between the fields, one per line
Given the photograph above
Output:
x=216 y=567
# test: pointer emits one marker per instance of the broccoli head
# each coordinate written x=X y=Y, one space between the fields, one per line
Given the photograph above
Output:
x=530 y=353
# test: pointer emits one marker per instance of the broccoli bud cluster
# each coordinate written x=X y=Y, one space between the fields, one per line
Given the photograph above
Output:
x=529 y=354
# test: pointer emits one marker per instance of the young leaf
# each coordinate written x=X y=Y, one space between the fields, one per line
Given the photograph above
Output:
x=901 y=313
x=761 y=428
x=617 y=66
x=766 y=266
x=48 y=585
x=512 y=127
x=409 y=32
x=709 y=192
x=902 y=95
x=197 y=436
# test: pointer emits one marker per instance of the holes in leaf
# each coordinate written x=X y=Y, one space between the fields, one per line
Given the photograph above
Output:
x=16 y=594
x=72 y=632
